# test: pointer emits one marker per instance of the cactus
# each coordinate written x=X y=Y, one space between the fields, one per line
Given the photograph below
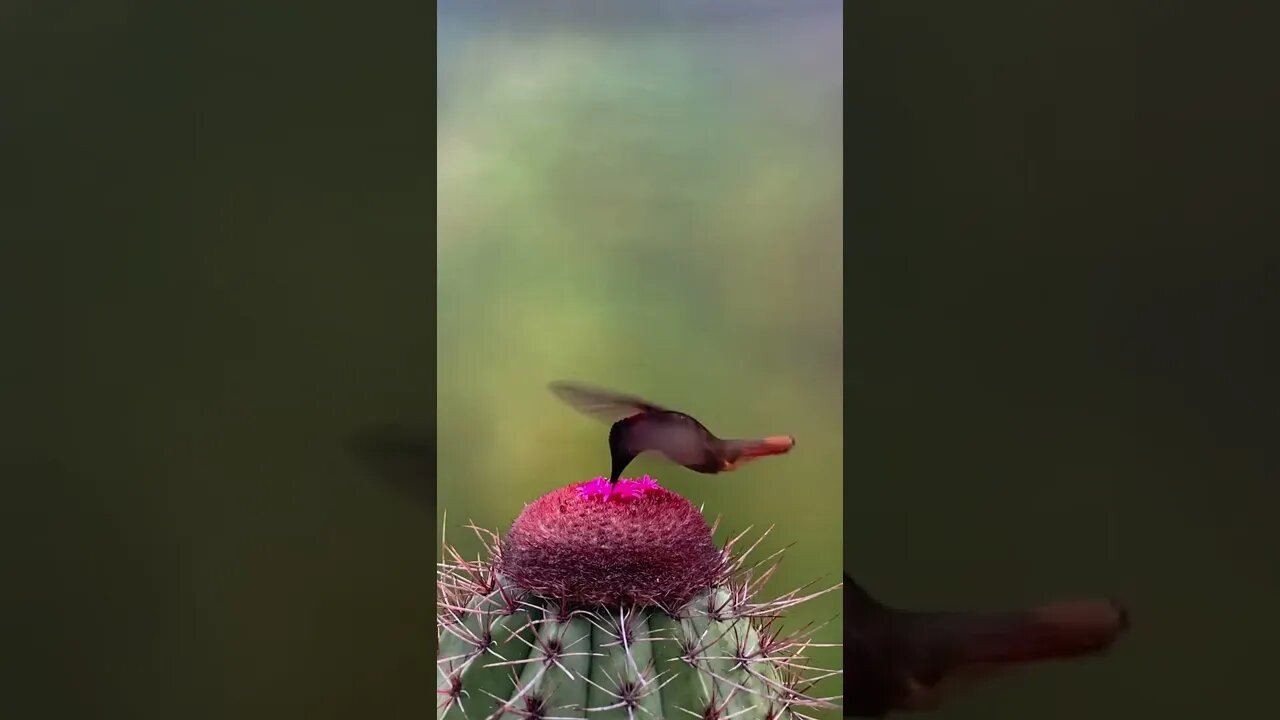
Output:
x=615 y=602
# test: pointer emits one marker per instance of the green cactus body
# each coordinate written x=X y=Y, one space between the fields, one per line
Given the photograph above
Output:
x=662 y=647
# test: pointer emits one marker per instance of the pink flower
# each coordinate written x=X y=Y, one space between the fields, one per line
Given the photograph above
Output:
x=637 y=543
x=628 y=488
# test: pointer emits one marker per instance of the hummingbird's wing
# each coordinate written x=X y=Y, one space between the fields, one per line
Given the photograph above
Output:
x=602 y=404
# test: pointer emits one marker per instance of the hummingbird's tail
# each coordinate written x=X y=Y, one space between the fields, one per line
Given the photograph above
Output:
x=909 y=660
x=740 y=451
x=1050 y=632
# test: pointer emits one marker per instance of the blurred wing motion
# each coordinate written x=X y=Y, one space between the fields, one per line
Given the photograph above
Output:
x=897 y=660
x=604 y=405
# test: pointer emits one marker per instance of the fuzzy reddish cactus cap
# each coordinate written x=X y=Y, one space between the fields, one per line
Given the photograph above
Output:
x=635 y=543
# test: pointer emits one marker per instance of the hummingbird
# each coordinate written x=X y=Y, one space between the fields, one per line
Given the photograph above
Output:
x=898 y=660
x=640 y=426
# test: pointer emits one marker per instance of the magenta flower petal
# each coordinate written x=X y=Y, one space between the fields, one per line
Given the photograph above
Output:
x=628 y=488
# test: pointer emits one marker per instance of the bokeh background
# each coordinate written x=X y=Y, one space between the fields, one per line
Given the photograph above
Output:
x=215 y=244
x=644 y=196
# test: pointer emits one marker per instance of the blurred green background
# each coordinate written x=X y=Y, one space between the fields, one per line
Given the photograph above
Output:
x=645 y=197
x=216 y=257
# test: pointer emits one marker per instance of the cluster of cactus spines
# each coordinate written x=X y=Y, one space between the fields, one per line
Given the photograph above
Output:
x=657 y=622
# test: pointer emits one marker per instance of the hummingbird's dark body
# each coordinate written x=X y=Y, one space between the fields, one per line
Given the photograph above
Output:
x=897 y=660
x=640 y=426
